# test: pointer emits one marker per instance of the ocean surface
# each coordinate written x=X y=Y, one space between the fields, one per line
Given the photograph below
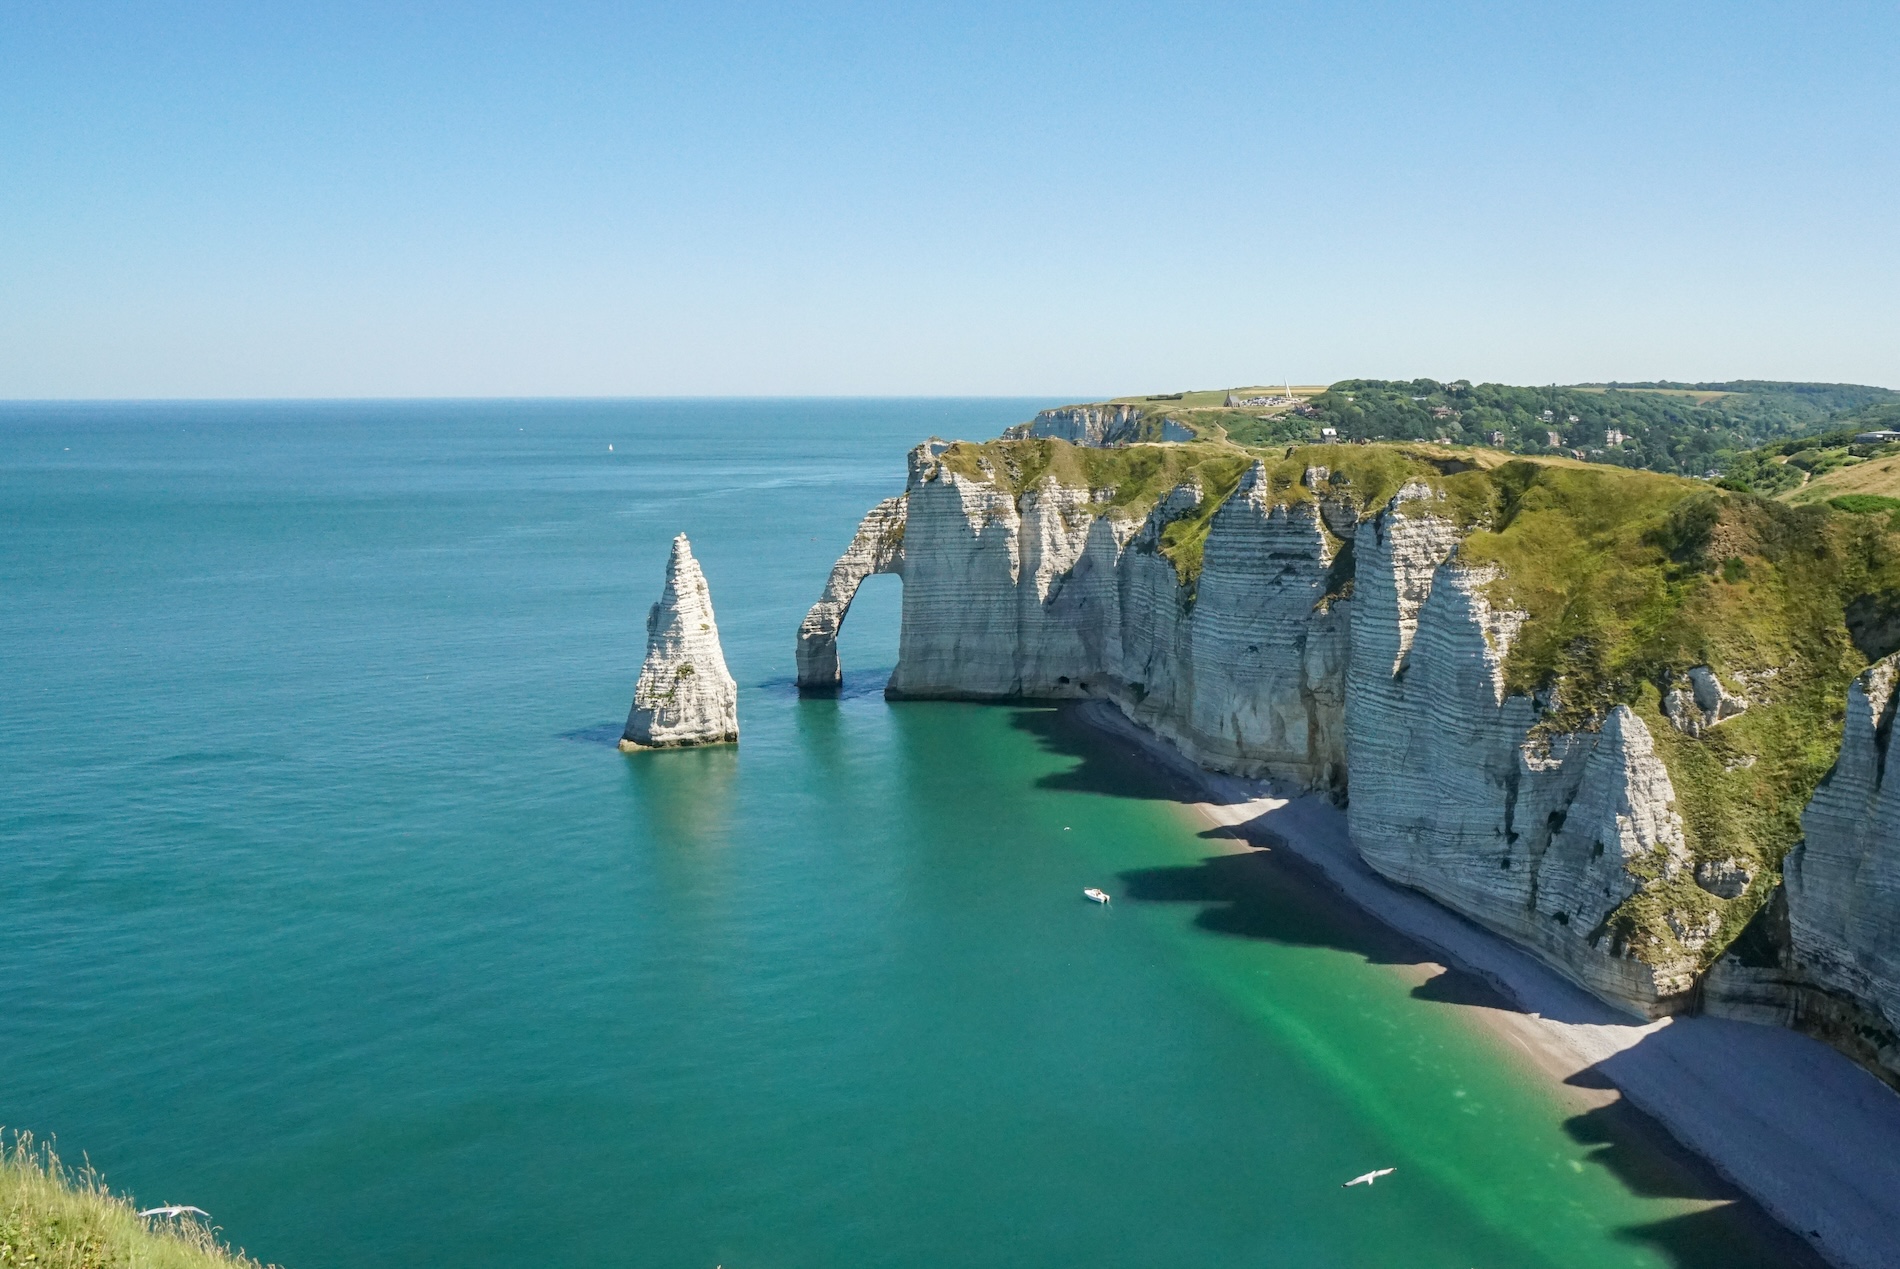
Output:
x=327 y=903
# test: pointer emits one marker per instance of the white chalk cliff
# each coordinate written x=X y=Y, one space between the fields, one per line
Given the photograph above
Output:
x=685 y=695
x=877 y=547
x=1320 y=642
x=1843 y=881
x=1101 y=425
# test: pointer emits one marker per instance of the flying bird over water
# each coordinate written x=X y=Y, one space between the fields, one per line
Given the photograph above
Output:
x=1369 y=1177
x=173 y=1211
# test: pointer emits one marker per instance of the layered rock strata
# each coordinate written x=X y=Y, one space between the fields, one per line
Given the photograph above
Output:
x=1101 y=425
x=877 y=547
x=1323 y=646
x=1045 y=596
x=685 y=695
x=1538 y=836
x=1843 y=881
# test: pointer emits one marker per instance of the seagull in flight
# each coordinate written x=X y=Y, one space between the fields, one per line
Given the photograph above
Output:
x=173 y=1211
x=1369 y=1177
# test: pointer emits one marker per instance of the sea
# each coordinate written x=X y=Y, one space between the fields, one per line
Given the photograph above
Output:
x=329 y=905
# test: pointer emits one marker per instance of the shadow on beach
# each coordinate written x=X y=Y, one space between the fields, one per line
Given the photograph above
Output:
x=1256 y=889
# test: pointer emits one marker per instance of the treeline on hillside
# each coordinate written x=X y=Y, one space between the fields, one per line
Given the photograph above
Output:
x=1689 y=429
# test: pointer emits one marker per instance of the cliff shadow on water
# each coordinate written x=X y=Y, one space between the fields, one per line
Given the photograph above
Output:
x=1252 y=890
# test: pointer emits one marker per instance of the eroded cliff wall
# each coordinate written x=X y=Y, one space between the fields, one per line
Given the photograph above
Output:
x=1112 y=424
x=1843 y=881
x=1509 y=675
x=1049 y=595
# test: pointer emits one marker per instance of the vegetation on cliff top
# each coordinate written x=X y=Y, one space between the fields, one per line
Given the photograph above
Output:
x=1126 y=482
x=54 y=1218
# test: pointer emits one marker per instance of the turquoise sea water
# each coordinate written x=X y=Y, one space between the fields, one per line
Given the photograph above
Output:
x=327 y=904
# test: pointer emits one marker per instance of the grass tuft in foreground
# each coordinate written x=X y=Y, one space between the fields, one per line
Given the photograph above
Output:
x=52 y=1217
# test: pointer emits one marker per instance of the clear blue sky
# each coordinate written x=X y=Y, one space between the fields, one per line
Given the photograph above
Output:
x=570 y=199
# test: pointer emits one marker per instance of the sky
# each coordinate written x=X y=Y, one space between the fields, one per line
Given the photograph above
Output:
x=1080 y=200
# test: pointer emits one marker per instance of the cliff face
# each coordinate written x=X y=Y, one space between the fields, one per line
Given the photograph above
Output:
x=1575 y=704
x=1843 y=881
x=1049 y=595
x=1320 y=641
x=1539 y=836
x=685 y=695
x=1097 y=425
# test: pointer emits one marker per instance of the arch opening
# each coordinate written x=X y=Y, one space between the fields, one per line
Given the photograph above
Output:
x=877 y=547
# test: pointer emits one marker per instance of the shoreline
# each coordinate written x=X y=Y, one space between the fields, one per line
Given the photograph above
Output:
x=1797 y=1127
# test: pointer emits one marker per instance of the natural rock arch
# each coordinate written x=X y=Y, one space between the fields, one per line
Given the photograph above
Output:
x=877 y=547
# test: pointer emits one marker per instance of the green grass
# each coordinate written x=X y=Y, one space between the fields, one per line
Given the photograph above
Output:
x=1864 y=504
x=54 y=1218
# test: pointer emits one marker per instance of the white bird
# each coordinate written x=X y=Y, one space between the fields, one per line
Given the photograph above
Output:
x=173 y=1211
x=1369 y=1177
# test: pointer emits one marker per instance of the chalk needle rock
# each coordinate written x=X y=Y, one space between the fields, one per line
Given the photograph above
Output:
x=685 y=695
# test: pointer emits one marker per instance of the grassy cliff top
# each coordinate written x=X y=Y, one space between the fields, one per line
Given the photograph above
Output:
x=53 y=1217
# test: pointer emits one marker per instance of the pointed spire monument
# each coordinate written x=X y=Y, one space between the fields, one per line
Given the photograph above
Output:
x=685 y=696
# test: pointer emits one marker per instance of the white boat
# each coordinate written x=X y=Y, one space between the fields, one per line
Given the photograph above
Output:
x=1100 y=896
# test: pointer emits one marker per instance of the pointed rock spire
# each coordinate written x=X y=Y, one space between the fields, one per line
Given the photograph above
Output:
x=685 y=695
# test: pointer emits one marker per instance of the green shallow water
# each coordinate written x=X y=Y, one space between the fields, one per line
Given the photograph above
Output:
x=330 y=907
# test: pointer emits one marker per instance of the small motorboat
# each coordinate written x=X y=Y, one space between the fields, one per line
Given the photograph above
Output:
x=1099 y=896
